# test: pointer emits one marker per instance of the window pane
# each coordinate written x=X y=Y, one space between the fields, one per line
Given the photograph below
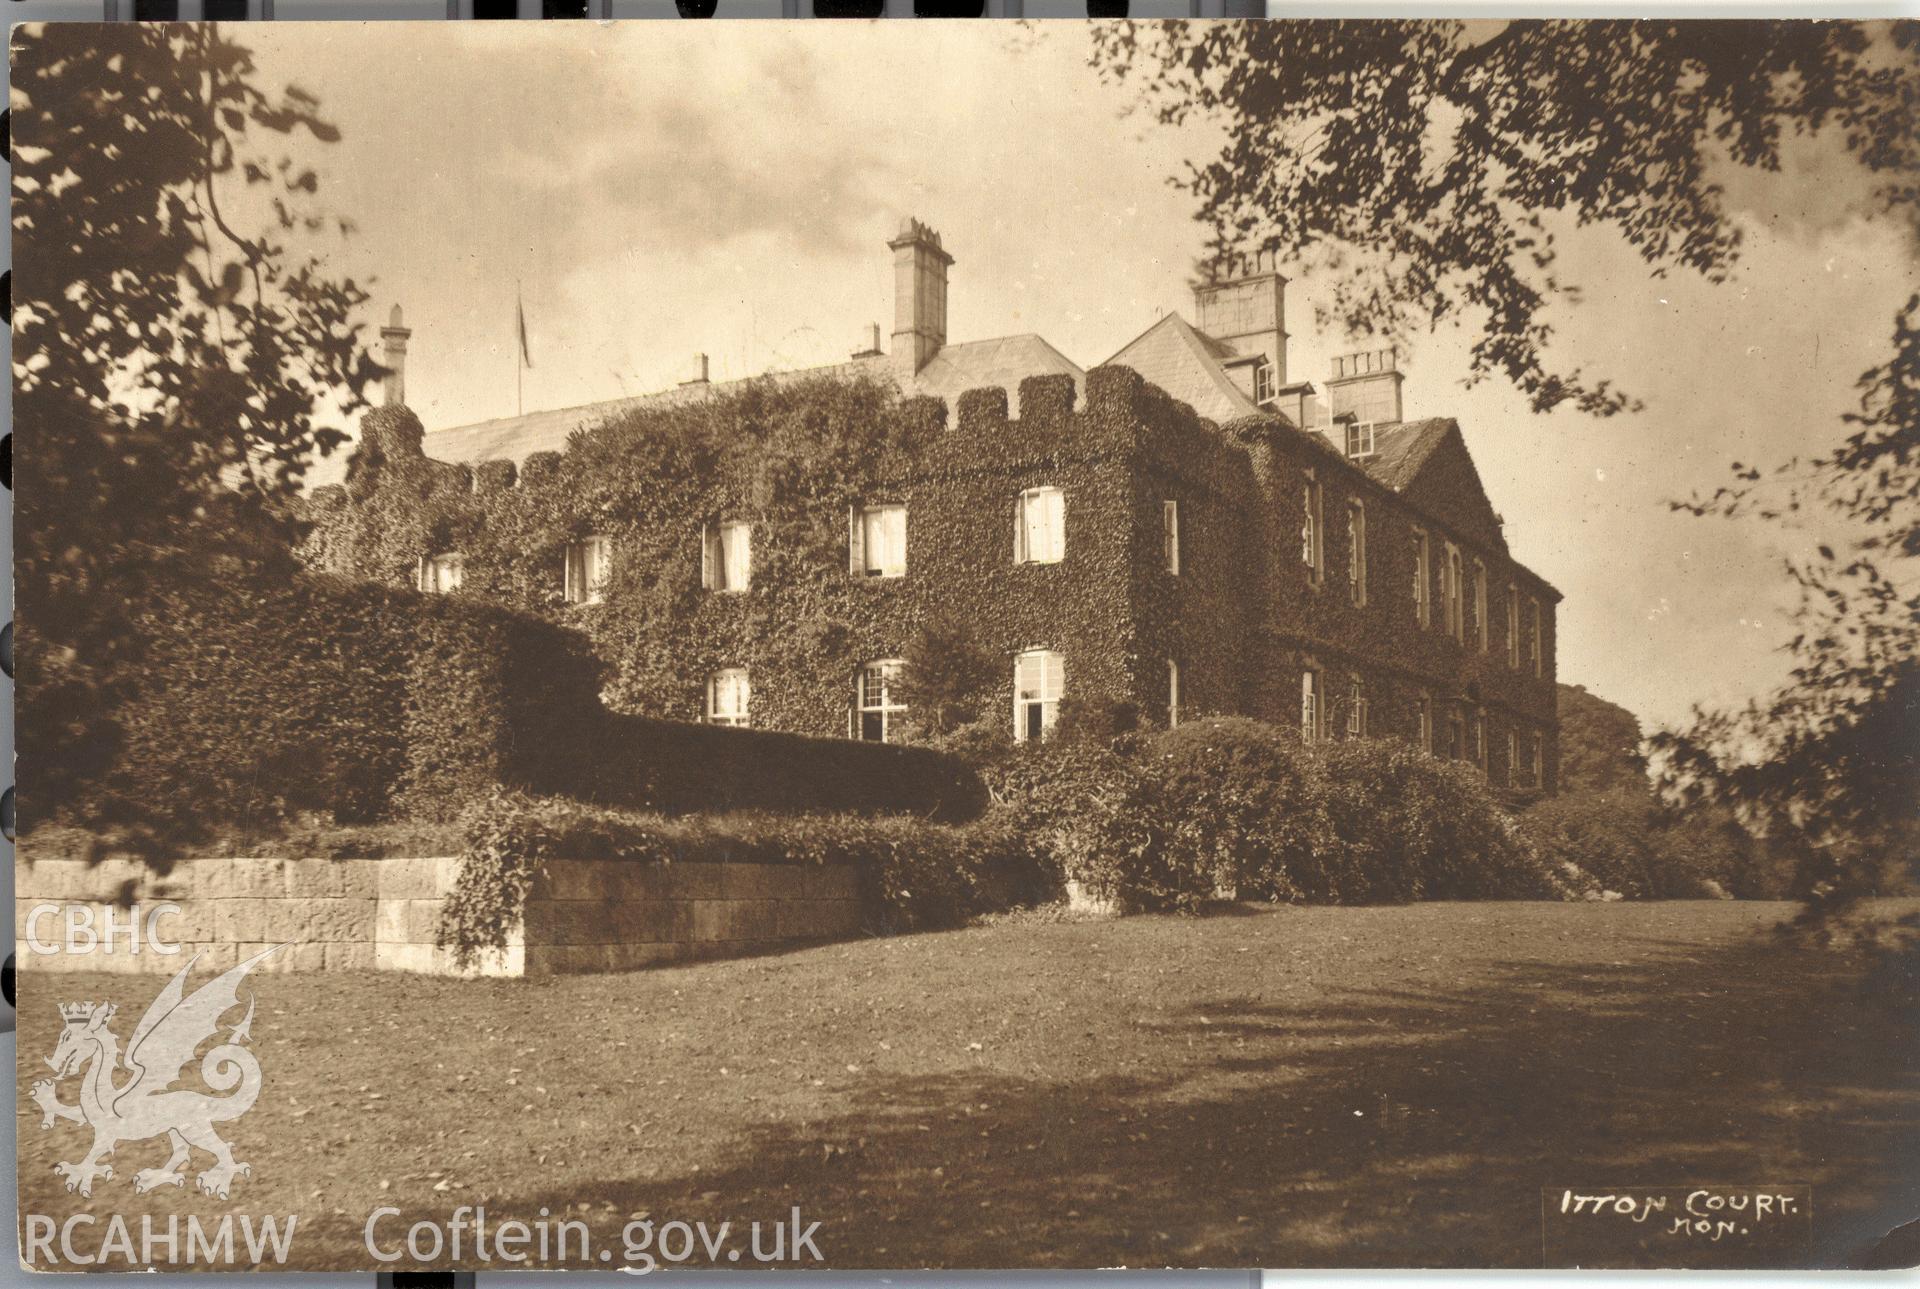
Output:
x=884 y=535
x=736 y=555
x=874 y=538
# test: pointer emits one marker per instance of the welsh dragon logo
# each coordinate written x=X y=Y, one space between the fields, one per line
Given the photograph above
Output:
x=146 y=1104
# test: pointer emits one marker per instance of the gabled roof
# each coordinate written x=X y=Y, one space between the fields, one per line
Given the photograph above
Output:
x=1005 y=362
x=1402 y=448
x=1189 y=365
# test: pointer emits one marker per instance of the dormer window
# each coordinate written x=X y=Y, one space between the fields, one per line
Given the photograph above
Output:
x=1359 y=440
x=1265 y=387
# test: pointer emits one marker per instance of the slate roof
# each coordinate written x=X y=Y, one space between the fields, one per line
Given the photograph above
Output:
x=954 y=370
x=1003 y=362
x=1400 y=449
x=1189 y=365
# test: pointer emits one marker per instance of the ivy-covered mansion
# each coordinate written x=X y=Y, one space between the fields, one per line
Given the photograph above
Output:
x=1184 y=528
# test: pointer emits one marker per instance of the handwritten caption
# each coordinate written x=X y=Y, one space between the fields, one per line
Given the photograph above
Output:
x=1654 y=1227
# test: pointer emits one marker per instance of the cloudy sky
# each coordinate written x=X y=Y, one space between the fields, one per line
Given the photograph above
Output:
x=657 y=189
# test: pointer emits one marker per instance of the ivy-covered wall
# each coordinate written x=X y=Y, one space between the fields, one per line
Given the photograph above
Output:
x=1239 y=618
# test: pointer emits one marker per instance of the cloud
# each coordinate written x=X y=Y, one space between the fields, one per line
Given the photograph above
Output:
x=714 y=150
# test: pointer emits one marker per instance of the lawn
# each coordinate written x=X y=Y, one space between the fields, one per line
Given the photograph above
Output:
x=1279 y=1087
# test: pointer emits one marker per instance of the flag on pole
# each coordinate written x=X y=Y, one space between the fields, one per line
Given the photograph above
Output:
x=520 y=321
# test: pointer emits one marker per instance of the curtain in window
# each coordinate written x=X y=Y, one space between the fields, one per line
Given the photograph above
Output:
x=1040 y=530
x=883 y=540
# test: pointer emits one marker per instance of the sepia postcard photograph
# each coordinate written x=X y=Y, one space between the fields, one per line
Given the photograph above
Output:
x=967 y=645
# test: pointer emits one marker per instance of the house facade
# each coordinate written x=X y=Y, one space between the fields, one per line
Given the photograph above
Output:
x=1183 y=528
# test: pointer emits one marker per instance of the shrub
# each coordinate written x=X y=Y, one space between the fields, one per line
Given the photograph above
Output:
x=1626 y=843
x=1248 y=804
x=1231 y=806
x=1410 y=826
x=945 y=672
x=919 y=875
x=1097 y=817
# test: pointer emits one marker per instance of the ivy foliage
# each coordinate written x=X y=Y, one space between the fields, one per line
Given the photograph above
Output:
x=797 y=460
x=917 y=874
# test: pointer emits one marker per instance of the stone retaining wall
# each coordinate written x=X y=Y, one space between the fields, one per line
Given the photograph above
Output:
x=381 y=914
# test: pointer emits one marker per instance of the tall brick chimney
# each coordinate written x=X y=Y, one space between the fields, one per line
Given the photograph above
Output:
x=919 y=296
x=1365 y=384
x=1244 y=306
x=395 y=335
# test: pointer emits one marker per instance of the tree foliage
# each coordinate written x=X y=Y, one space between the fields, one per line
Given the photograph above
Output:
x=1599 y=744
x=172 y=362
x=1416 y=164
x=1422 y=168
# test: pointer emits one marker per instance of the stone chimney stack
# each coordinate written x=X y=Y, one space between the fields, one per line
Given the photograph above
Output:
x=1366 y=385
x=395 y=335
x=1245 y=307
x=919 y=296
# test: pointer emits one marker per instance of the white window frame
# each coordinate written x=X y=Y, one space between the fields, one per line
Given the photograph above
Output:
x=1453 y=588
x=1357 y=552
x=1170 y=534
x=576 y=586
x=889 y=708
x=1173 y=694
x=1053 y=677
x=726 y=556
x=1513 y=627
x=1539 y=652
x=1480 y=602
x=1312 y=537
x=732 y=683
x=442 y=573
x=1359 y=440
x=861 y=558
x=1053 y=530
x=1422 y=578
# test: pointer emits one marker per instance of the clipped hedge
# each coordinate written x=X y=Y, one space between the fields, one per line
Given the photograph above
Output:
x=679 y=768
x=919 y=875
x=254 y=704
x=258 y=708
x=495 y=697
